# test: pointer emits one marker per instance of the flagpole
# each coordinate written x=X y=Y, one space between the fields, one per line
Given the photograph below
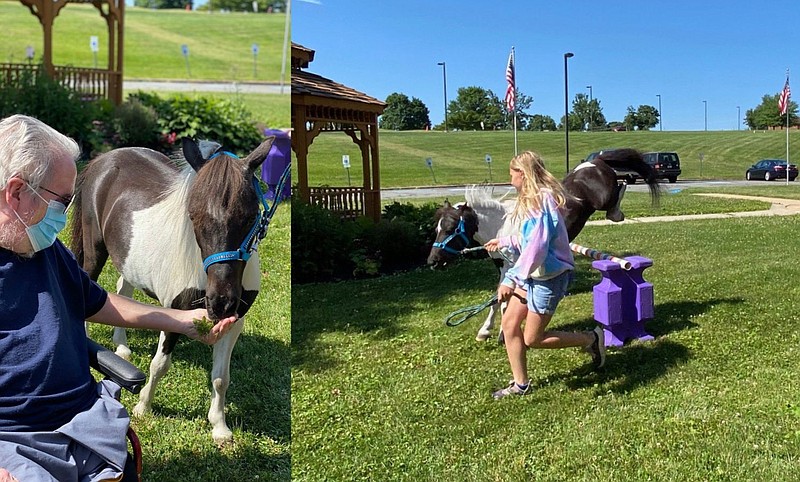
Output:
x=788 y=103
x=511 y=93
x=515 y=131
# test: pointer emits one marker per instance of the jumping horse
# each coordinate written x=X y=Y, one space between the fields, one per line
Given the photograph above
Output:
x=591 y=186
x=183 y=233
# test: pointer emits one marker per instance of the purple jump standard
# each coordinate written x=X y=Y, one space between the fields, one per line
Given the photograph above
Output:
x=623 y=300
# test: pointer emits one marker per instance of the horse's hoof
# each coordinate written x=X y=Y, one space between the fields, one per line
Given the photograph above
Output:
x=123 y=351
x=140 y=409
x=483 y=336
x=222 y=436
x=615 y=217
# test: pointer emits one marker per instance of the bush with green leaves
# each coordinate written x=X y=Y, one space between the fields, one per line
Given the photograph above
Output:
x=223 y=121
x=326 y=248
x=35 y=94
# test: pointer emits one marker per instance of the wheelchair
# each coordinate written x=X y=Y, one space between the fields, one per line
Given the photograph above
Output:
x=127 y=376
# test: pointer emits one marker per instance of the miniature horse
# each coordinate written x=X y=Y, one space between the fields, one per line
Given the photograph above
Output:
x=590 y=187
x=159 y=220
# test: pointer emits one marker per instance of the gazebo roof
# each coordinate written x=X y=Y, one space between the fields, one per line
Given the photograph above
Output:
x=307 y=83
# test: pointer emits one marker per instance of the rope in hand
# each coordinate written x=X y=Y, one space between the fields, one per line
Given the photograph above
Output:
x=479 y=248
x=473 y=310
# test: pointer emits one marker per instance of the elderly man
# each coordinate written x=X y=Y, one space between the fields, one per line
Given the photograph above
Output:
x=56 y=422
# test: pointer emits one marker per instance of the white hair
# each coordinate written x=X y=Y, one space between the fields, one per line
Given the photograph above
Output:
x=29 y=147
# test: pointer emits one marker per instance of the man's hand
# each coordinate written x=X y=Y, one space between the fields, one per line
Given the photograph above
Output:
x=190 y=322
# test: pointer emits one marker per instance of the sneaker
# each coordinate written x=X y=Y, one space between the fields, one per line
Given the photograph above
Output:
x=511 y=389
x=598 y=348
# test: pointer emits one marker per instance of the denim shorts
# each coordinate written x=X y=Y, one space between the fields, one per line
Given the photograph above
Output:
x=544 y=295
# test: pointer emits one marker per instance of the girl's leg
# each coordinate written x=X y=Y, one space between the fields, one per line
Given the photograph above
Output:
x=536 y=335
x=514 y=340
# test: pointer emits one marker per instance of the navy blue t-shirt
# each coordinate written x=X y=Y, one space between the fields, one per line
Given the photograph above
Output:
x=44 y=366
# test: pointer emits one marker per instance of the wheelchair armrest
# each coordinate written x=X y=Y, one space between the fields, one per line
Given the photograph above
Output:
x=115 y=368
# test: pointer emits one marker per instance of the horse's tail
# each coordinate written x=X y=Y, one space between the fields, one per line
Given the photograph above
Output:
x=76 y=225
x=632 y=160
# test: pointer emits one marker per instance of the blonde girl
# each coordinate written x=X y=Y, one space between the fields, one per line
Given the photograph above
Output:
x=540 y=275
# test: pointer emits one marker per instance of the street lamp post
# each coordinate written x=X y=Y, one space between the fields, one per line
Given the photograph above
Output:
x=705 y=115
x=590 y=106
x=566 y=109
x=660 y=124
x=738 y=118
x=444 y=85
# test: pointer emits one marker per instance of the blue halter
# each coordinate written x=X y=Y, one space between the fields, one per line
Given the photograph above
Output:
x=459 y=232
x=259 y=229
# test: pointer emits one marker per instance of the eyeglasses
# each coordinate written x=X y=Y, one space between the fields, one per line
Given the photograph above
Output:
x=66 y=201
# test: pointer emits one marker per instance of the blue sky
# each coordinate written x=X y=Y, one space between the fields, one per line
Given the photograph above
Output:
x=727 y=53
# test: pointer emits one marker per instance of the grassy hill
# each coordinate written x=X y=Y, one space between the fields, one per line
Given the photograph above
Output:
x=459 y=157
x=220 y=45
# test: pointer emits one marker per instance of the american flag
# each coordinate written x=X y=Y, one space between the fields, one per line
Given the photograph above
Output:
x=783 y=101
x=511 y=89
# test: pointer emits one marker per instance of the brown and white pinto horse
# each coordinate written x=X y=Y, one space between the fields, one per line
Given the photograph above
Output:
x=158 y=220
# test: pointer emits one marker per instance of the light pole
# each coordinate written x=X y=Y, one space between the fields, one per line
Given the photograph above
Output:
x=590 y=106
x=705 y=115
x=738 y=118
x=444 y=85
x=660 y=124
x=566 y=109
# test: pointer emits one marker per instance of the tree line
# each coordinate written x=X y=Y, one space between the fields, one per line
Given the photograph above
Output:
x=476 y=108
x=258 y=6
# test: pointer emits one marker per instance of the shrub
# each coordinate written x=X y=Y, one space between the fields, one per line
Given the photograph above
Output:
x=326 y=249
x=136 y=124
x=226 y=122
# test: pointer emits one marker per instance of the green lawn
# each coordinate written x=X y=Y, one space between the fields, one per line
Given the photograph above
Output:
x=459 y=157
x=220 y=45
x=176 y=437
x=382 y=390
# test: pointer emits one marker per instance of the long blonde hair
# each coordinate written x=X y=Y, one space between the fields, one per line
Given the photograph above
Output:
x=535 y=178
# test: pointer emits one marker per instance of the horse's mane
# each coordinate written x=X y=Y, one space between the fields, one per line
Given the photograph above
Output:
x=480 y=197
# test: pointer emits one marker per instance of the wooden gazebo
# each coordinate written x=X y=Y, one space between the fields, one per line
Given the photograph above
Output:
x=322 y=105
x=90 y=83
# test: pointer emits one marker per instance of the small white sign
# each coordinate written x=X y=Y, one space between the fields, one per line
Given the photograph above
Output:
x=346 y=161
x=429 y=162
x=255 y=49
x=29 y=52
x=94 y=43
x=488 y=159
x=185 y=50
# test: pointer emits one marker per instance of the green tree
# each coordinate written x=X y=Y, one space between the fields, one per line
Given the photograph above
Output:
x=402 y=113
x=767 y=114
x=590 y=111
x=475 y=108
x=644 y=118
x=575 y=122
x=541 y=122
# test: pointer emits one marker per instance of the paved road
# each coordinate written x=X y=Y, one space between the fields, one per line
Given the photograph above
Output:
x=457 y=192
x=201 y=86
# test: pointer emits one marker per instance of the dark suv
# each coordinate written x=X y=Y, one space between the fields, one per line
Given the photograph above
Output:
x=666 y=164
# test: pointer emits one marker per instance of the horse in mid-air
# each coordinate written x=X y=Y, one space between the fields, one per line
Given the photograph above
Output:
x=592 y=186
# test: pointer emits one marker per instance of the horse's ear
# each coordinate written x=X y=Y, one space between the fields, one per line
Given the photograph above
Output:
x=192 y=154
x=259 y=155
x=447 y=204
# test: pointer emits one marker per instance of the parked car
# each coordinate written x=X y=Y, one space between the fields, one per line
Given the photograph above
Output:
x=667 y=165
x=769 y=169
x=622 y=174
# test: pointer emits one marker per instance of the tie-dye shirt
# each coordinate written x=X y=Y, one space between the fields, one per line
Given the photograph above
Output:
x=543 y=245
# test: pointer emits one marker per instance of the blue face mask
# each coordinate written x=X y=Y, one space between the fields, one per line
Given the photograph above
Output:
x=43 y=234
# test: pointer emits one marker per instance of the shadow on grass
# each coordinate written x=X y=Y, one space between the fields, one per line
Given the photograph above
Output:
x=638 y=363
x=378 y=308
x=242 y=463
x=259 y=397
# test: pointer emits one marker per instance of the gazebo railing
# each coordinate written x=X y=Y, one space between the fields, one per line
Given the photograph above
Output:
x=347 y=202
x=91 y=84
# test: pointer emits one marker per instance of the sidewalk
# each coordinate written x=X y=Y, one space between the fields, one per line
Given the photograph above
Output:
x=780 y=207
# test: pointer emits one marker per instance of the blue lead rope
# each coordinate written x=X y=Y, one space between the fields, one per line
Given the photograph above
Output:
x=259 y=229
